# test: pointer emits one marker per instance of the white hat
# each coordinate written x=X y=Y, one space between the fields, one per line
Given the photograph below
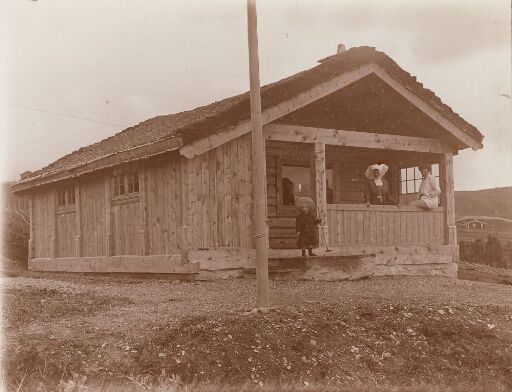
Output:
x=380 y=167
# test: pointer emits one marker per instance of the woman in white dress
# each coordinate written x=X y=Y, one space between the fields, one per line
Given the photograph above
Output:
x=428 y=196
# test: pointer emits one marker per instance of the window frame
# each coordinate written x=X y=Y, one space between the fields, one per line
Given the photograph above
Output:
x=124 y=180
x=65 y=197
x=414 y=180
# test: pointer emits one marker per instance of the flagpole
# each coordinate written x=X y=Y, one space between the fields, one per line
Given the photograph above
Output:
x=259 y=180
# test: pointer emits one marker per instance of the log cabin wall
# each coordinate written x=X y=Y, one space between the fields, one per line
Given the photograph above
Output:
x=349 y=180
x=219 y=196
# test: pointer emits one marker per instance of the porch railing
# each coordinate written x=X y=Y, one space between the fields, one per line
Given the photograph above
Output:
x=356 y=224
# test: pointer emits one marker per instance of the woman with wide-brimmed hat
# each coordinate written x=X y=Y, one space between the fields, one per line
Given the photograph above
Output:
x=377 y=189
x=428 y=195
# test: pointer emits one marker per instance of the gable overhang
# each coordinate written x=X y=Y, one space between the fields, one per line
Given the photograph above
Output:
x=273 y=113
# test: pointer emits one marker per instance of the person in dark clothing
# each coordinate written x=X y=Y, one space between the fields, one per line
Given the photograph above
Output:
x=288 y=194
x=305 y=225
x=377 y=190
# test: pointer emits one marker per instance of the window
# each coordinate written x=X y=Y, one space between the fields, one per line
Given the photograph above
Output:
x=66 y=196
x=296 y=182
x=126 y=183
x=410 y=178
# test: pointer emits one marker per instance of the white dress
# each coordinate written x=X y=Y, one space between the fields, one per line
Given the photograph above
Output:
x=430 y=190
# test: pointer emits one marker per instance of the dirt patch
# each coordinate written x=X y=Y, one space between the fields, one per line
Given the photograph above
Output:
x=134 y=333
x=33 y=305
x=347 y=345
x=375 y=344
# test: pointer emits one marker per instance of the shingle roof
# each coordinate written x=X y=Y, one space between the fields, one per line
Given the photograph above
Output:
x=200 y=122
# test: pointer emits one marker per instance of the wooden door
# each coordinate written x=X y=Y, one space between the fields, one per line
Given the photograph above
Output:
x=286 y=177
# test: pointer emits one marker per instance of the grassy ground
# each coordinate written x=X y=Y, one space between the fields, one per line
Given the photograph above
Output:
x=67 y=332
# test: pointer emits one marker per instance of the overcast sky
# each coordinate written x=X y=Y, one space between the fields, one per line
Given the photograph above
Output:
x=124 y=61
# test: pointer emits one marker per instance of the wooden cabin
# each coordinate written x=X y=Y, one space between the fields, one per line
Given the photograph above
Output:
x=173 y=194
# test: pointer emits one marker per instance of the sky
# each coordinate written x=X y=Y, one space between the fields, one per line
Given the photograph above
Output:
x=73 y=73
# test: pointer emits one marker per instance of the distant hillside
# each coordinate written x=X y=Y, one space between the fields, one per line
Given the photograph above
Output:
x=486 y=202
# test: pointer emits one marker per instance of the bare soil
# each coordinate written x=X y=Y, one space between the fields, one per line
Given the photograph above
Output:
x=377 y=334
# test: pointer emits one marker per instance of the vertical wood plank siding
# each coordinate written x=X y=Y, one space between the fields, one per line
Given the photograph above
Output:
x=66 y=223
x=126 y=228
x=92 y=214
x=42 y=223
x=163 y=204
x=220 y=196
x=351 y=224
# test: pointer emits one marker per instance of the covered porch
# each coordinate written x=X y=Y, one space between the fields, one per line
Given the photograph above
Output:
x=328 y=165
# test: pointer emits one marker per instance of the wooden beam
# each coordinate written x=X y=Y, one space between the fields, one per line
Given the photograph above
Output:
x=273 y=113
x=109 y=240
x=78 y=221
x=448 y=198
x=185 y=217
x=427 y=109
x=259 y=177
x=53 y=223
x=143 y=218
x=31 y=239
x=321 y=192
x=300 y=134
x=155 y=264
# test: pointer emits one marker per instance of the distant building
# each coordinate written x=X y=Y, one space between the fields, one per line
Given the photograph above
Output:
x=473 y=224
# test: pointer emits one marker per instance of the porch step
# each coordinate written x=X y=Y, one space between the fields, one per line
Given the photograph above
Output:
x=282 y=233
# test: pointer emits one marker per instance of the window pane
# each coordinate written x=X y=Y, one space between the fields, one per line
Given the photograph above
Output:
x=417 y=185
x=417 y=173
x=404 y=188
x=435 y=170
x=71 y=195
x=116 y=186
x=410 y=173
x=410 y=186
x=61 y=197
x=403 y=174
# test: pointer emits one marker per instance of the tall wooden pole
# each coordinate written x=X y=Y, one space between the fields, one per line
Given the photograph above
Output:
x=259 y=176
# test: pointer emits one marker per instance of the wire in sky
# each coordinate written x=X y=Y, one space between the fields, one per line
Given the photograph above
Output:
x=67 y=115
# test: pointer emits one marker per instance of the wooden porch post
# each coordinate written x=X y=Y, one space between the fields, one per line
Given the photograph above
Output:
x=186 y=229
x=31 y=242
x=448 y=198
x=109 y=239
x=78 y=222
x=143 y=223
x=321 y=191
x=53 y=224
